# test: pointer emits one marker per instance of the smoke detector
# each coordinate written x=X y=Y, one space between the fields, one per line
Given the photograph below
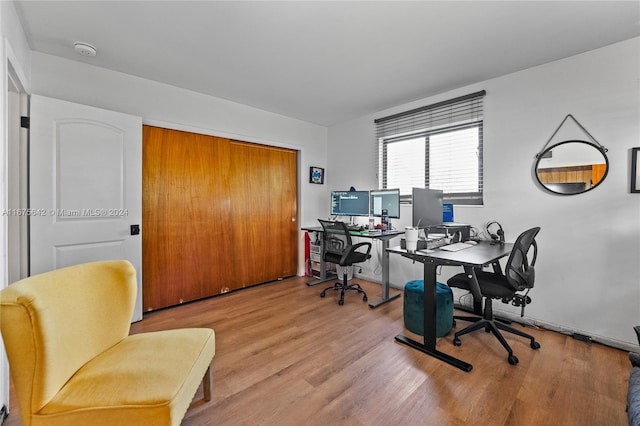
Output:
x=84 y=49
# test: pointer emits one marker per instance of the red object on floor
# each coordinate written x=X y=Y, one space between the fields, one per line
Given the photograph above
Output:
x=307 y=254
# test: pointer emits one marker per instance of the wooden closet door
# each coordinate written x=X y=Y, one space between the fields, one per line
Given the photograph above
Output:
x=264 y=211
x=185 y=219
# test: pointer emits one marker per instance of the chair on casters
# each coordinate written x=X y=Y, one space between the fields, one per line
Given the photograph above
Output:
x=519 y=276
x=339 y=249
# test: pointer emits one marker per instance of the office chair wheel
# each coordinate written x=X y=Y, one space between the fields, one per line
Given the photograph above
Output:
x=364 y=298
x=340 y=302
x=457 y=341
x=322 y=294
x=535 y=345
x=513 y=360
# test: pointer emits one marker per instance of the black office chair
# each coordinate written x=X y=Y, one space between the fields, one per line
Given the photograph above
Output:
x=340 y=250
x=519 y=277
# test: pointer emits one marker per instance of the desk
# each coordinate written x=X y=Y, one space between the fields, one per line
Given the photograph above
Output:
x=483 y=254
x=382 y=236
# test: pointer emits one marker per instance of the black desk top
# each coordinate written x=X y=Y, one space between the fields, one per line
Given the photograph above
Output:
x=483 y=253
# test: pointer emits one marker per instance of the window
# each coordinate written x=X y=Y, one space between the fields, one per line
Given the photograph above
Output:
x=438 y=146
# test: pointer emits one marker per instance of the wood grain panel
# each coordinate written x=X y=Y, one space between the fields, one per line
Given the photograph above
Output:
x=570 y=174
x=264 y=192
x=186 y=210
x=218 y=215
x=597 y=173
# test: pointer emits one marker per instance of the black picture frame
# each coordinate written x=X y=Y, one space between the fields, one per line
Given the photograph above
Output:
x=635 y=170
x=316 y=175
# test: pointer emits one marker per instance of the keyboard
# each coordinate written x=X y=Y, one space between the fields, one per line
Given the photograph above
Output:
x=456 y=246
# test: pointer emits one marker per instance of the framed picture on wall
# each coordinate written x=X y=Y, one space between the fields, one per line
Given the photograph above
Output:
x=635 y=170
x=316 y=175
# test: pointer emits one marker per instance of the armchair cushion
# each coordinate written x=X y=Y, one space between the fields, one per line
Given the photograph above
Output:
x=148 y=378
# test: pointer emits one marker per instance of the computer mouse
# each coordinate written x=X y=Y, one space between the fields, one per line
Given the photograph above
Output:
x=471 y=242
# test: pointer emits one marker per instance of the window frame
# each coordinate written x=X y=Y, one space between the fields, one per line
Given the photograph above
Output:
x=458 y=123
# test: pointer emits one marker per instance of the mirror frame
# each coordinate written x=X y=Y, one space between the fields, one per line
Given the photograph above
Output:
x=602 y=150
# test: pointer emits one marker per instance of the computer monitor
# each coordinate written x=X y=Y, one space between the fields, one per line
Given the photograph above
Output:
x=427 y=207
x=350 y=203
x=385 y=199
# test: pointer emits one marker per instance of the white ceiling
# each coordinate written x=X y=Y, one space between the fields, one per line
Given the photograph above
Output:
x=328 y=61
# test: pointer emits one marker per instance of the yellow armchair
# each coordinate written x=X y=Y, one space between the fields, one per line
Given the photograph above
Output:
x=72 y=361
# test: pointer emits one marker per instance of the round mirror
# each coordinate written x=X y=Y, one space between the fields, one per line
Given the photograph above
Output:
x=572 y=167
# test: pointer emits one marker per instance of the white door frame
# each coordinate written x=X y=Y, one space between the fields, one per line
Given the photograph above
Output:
x=13 y=193
x=17 y=180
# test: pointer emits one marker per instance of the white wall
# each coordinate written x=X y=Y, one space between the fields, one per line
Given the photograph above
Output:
x=168 y=106
x=588 y=273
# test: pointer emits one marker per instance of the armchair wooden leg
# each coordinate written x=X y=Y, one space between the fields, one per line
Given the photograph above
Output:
x=206 y=384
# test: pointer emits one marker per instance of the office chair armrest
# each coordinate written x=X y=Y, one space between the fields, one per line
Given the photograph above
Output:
x=355 y=248
x=358 y=245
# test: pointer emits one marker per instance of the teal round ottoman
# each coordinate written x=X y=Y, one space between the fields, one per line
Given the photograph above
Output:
x=414 y=308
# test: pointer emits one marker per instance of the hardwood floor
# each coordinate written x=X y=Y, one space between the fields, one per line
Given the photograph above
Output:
x=285 y=356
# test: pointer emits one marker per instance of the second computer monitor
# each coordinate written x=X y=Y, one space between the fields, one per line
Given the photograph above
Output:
x=427 y=207
x=385 y=199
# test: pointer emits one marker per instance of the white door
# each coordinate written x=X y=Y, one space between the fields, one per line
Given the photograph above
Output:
x=85 y=187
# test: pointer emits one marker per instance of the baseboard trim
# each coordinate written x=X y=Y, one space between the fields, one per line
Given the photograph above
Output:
x=533 y=322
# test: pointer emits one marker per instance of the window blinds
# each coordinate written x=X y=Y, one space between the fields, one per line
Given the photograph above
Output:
x=461 y=110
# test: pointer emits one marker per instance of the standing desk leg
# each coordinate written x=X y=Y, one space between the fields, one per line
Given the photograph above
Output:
x=385 y=278
x=430 y=311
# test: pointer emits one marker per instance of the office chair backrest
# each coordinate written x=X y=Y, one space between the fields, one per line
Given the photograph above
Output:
x=520 y=270
x=337 y=237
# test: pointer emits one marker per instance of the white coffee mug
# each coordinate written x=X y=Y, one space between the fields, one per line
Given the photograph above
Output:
x=411 y=238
